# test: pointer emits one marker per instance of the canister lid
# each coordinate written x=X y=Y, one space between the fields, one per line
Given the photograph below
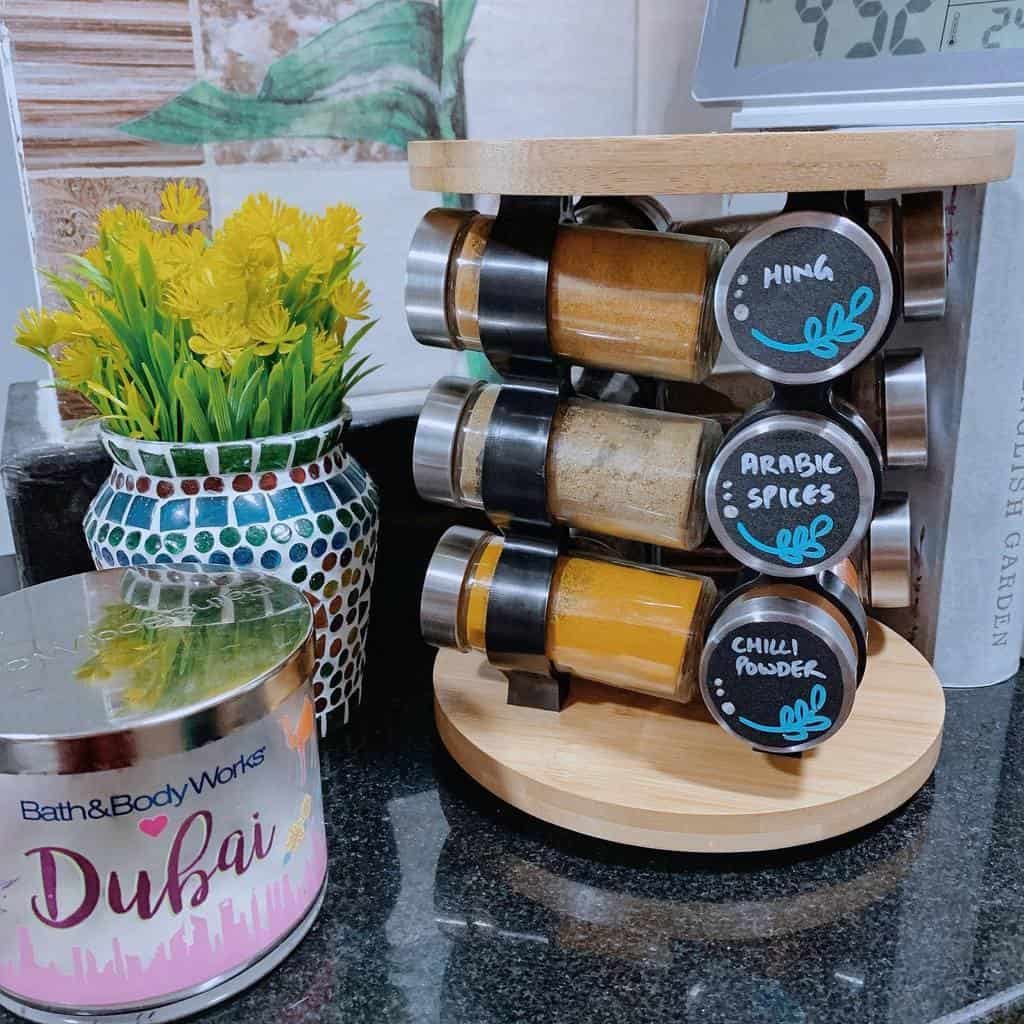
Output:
x=804 y=297
x=790 y=493
x=108 y=669
x=426 y=276
x=436 y=440
x=444 y=582
x=778 y=672
x=889 y=554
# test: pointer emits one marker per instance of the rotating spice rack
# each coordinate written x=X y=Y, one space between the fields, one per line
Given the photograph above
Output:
x=530 y=627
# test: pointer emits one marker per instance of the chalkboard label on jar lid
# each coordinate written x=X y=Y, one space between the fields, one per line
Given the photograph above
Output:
x=778 y=673
x=790 y=493
x=804 y=297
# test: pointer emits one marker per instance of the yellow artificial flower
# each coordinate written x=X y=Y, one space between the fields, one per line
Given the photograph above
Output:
x=309 y=248
x=128 y=228
x=326 y=348
x=181 y=204
x=37 y=330
x=351 y=299
x=241 y=254
x=76 y=363
x=342 y=224
x=273 y=329
x=176 y=254
x=262 y=217
x=219 y=339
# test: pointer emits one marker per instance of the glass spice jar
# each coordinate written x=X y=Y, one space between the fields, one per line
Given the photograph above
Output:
x=636 y=301
x=636 y=628
x=611 y=469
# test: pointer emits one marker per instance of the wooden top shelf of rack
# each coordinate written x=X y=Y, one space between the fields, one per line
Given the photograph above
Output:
x=719 y=163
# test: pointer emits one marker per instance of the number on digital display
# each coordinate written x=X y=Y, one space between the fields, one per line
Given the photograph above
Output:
x=815 y=15
x=900 y=44
x=1003 y=12
x=871 y=47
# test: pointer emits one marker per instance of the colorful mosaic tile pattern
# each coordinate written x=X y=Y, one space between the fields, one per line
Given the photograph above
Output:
x=296 y=506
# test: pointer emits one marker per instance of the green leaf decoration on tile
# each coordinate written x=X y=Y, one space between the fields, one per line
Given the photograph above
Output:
x=390 y=72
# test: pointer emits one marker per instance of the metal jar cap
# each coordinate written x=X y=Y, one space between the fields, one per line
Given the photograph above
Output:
x=924 y=255
x=905 y=409
x=436 y=440
x=426 y=276
x=805 y=297
x=891 y=393
x=93 y=664
x=779 y=673
x=887 y=558
x=791 y=493
x=444 y=582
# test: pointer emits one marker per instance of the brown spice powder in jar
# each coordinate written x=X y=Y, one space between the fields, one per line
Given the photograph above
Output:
x=618 y=299
x=612 y=469
x=464 y=280
x=632 y=473
x=637 y=301
x=469 y=464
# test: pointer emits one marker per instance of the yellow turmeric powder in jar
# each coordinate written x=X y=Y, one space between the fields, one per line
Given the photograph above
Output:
x=637 y=628
x=633 y=627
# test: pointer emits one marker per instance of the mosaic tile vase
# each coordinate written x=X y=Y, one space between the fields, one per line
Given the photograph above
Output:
x=297 y=506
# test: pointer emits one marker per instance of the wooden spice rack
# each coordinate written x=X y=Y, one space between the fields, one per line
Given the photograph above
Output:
x=634 y=769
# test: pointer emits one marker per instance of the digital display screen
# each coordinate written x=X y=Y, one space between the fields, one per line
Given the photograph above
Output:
x=787 y=31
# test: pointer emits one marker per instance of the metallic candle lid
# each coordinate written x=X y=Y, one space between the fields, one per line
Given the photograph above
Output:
x=426 y=276
x=437 y=435
x=778 y=672
x=442 y=587
x=108 y=669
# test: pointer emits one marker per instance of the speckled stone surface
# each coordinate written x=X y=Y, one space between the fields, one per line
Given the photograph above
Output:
x=444 y=905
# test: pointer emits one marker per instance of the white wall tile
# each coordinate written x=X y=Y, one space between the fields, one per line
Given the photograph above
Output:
x=551 y=68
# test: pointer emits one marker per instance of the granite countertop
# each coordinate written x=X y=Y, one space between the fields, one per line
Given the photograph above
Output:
x=445 y=905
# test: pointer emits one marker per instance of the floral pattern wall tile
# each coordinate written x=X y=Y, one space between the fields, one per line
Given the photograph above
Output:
x=82 y=68
x=326 y=80
x=241 y=39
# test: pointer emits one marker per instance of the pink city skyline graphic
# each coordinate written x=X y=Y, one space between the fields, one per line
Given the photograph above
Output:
x=122 y=978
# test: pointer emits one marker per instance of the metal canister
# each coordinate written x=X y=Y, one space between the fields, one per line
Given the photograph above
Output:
x=161 y=822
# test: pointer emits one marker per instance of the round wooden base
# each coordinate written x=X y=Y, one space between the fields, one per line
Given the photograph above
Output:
x=648 y=772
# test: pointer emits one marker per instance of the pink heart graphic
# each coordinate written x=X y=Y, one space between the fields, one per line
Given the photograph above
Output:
x=153 y=826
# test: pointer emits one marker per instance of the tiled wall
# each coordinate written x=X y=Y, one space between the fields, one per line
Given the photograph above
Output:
x=84 y=69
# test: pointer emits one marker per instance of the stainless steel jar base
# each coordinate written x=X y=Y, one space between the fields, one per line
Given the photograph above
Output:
x=214 y=992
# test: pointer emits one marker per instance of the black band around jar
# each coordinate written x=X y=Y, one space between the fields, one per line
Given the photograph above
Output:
x=517 y=605
x=513 y=298
x=513 y=483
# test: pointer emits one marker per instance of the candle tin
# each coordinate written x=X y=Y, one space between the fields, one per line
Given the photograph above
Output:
x=161 y=823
